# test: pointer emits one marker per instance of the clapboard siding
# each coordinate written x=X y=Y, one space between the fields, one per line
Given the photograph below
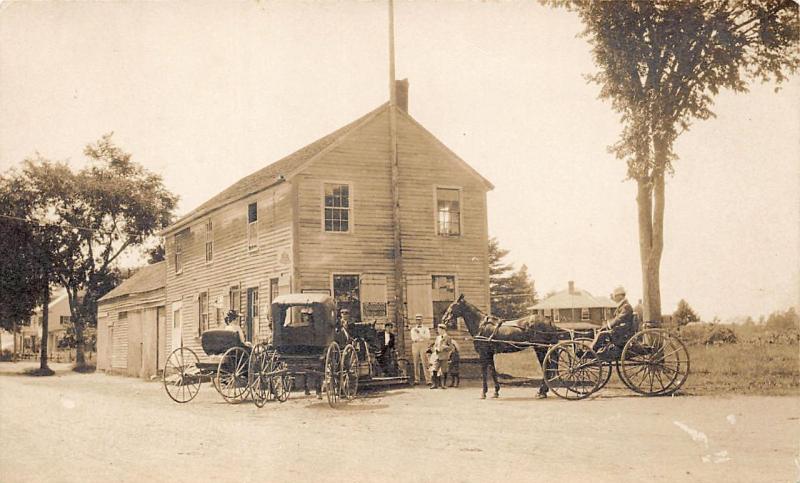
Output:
x=233 y=263
x=363 y=161
x=140 y=308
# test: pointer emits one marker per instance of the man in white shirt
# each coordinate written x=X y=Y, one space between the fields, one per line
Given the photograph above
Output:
x=420 y=340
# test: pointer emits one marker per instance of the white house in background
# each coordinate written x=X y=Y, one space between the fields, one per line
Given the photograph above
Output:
x=575 y=305
x=58 y=321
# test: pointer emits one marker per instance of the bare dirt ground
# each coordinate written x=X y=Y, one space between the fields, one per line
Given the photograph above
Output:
x=96 y=427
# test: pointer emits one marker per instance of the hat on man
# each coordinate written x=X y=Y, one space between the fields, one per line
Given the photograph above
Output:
x=619 y=291
x=418 y=317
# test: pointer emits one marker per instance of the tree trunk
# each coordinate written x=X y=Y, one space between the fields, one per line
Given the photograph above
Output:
x=80 y=358
x=650 y=201
x=45 y=322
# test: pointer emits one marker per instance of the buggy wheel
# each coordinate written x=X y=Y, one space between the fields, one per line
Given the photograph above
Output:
x=349 y=378
x=333 y=365
x=574 y=371
x=232 y=380
x=654 y=363
x=606 y=368
x=181 y=375
x=281 y=384
x=260 y=364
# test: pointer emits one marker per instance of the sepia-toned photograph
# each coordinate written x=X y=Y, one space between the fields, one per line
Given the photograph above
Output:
x=399 y=240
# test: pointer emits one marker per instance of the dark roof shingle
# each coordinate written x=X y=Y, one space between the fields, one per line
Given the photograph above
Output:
x=149 y=278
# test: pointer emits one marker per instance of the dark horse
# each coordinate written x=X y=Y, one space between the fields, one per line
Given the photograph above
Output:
x=503 y=337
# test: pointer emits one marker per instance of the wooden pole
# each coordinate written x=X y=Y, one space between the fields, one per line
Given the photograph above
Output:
x=399 y=299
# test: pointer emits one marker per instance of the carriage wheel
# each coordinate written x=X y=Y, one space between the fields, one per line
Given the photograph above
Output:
x=575 y=371
x=605 y=370
x=654 y=363
x=232 y=380
x=182 y=377
x=281 y=385
x=260 y=364
x=349 y=370
x=333 y=364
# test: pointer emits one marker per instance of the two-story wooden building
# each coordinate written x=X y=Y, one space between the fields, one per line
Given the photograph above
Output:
x=321 y=220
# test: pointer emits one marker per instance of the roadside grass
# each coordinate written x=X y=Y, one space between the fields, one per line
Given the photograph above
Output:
x=743 y=368
x=757 y=369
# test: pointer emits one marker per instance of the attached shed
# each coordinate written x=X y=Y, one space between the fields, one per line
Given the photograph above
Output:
x=131 y=330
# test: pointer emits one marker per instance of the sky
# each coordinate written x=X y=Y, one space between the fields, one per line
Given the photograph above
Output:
x=204 y=93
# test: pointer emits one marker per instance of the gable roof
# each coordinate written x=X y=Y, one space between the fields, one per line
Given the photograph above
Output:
x=577 y=299
x=149 y=278
x=284 y=168
x=274 y=173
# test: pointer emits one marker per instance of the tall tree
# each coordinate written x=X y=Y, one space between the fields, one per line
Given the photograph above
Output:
x=512 y=293
x=31 y=250
x=661 y=64
x=684 y=313
x=116 y=204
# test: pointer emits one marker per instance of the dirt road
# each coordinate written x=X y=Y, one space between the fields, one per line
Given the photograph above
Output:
x=97 y=427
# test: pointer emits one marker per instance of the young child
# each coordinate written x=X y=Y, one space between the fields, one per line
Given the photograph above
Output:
x=453 y=371
x=433 y=367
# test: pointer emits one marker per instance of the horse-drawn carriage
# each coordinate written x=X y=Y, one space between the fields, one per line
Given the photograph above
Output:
x=307 y=341
x=652 y=361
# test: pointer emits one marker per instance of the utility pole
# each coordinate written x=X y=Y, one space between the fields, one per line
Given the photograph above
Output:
x=399 y=299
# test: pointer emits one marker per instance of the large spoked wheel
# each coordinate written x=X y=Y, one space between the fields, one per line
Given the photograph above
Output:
x=333 y=358
x=605 y=370
x=232 y=379
x=282 y=381
x=349 y=378
x=654 y=363
x=182 y=377
x=573 y=370
x=259 y=367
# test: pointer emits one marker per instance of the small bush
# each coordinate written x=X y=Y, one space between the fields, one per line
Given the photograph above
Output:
x=6 y=356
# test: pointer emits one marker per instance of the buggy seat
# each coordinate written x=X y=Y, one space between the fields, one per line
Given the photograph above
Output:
x=217 y=341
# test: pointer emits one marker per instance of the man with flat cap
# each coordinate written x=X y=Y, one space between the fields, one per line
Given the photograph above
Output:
x=420 y=340
x=620 y=328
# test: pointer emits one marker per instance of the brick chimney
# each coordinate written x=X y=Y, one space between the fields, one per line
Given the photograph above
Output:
x=401 y=91
x=571 y=286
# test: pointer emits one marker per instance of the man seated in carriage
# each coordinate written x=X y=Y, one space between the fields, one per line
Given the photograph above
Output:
x=610 y=341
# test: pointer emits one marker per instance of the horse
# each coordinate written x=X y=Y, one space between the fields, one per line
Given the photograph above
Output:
x=496 y=337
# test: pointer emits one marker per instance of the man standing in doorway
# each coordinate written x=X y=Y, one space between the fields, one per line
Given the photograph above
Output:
x=420 y=340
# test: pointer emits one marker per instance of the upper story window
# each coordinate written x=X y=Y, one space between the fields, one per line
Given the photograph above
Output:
x=448 y=211
x=337 y=207
x=178 y=254
x=209 y=241
x=252 y=226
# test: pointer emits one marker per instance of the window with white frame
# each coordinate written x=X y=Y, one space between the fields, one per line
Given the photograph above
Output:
x=178 y=253
x=448 y=211
x=252 y=226
x=209 y=241
x=234 y=299
x=337 y=207
x=556 y=315
x=347 y=294
x=585 y=314
x=202 y=326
